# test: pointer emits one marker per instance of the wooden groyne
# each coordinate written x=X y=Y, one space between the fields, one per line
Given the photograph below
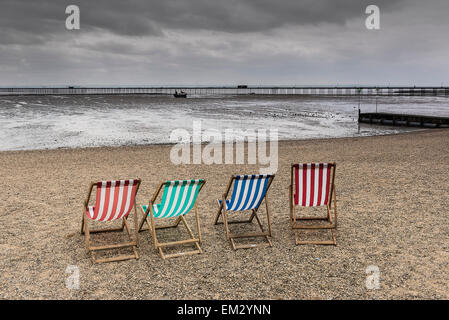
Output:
x=408 y=120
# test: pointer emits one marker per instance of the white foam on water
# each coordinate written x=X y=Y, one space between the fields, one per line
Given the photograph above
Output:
x=48 y=122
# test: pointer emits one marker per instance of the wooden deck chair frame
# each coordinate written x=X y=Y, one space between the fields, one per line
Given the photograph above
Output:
x=331 y=218
x=226 y=222
x=93 y=249
x=196 y=241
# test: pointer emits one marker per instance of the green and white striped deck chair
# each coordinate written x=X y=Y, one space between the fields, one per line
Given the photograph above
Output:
x=178 y=199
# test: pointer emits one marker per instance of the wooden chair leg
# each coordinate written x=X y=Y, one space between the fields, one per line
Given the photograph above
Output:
x=195 y=241
x=192 y=236
x=264 y=234
x=187 y=227
x=290 y=202
x=269 y=241
x=144 y=217
x=86 y=235
x=136 y=232
x=335 y=207
x=93 y=249
x=253 y=215
x=267 y=206
x=225 y=222
x=125 y=224
x=153 y=231
x=197 y=223
x=233 y=244
x=220 y=208
x=177 y=221
x=82 y=223
x=136 y=256
x=332 y=227
x=150 y=228
x=161 y=253
x=258 y=221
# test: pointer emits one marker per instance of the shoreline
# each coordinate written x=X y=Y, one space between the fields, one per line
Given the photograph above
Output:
x=164 y=144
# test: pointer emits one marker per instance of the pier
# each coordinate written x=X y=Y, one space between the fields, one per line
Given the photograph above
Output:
x=408 y=120
x=232 y=90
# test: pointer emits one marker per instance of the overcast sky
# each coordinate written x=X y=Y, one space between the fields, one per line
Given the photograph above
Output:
x=201 y=42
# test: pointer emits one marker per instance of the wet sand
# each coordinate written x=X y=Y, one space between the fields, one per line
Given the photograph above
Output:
x=392 y=191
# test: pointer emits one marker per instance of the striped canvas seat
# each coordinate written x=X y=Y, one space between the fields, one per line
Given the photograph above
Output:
x=114 y=200
x=247 y=195
x=178 y=198
x=248 y=192
x=312 y=184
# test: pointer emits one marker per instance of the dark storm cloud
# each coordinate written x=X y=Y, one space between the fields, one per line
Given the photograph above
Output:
x=41 y=19
x=145 y=42
x=261 y=15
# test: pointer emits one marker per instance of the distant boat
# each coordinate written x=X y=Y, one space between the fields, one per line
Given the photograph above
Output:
x=181 y=94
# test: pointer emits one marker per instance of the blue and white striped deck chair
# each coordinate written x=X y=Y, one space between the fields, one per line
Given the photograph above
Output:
x=248 y=193
x=178 y=199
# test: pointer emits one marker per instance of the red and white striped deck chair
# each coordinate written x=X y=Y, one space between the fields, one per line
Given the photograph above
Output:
x=114 y=201
x=312 y=185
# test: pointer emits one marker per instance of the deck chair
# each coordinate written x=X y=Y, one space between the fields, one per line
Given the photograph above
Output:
x=114 y=201
x=178 y=199
x=312 y=185
x=248 y=193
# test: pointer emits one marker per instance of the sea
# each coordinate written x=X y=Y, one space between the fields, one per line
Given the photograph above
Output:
x=73 y=121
